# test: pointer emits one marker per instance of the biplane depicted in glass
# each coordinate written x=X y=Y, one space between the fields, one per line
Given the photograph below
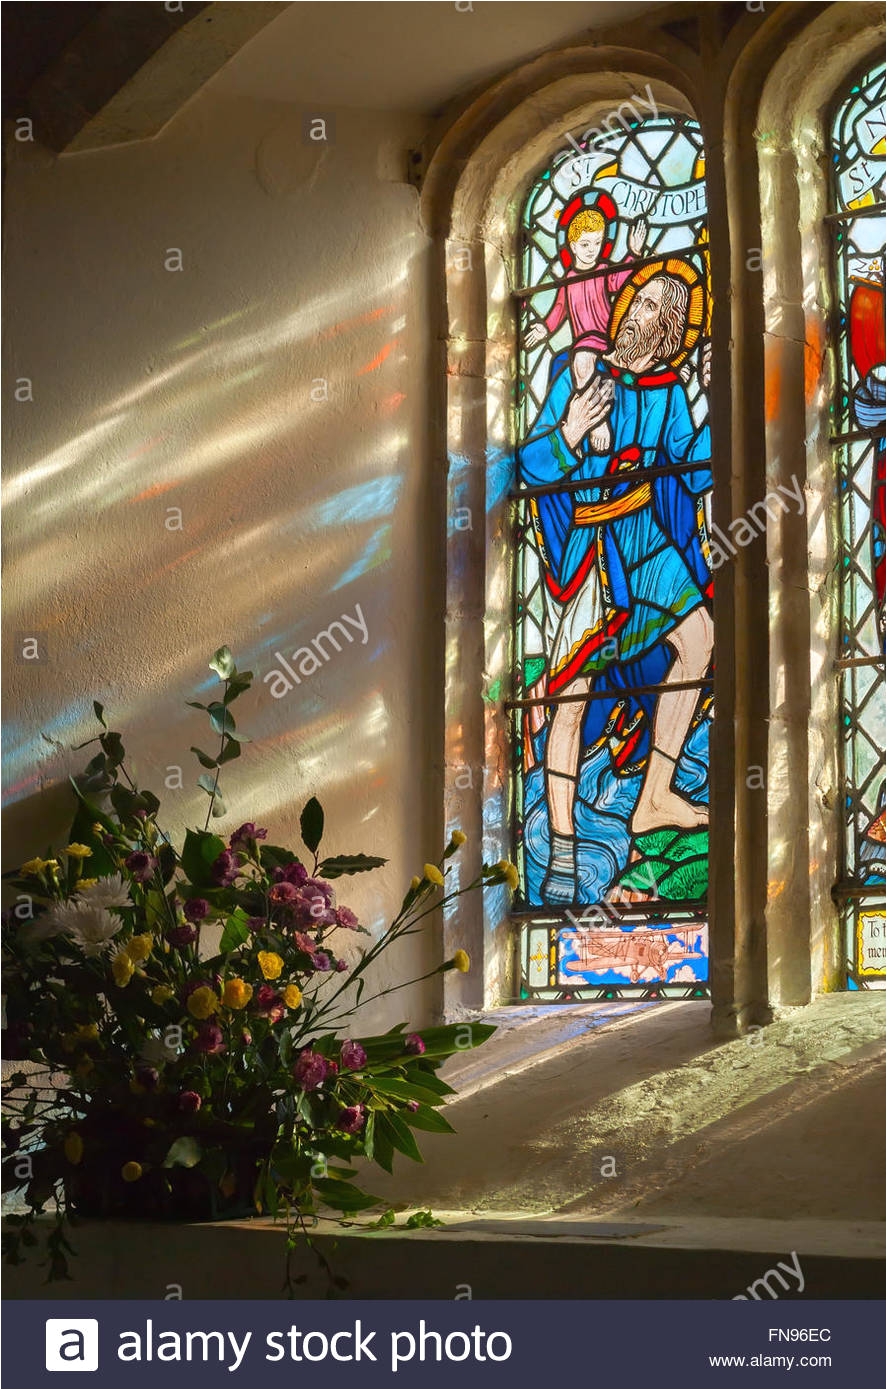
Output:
x=612 y=686
x=858 y=160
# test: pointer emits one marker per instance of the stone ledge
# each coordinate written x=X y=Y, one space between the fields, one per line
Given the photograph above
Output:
x=245 y=1260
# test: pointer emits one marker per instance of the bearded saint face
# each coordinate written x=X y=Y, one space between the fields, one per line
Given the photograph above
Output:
x=641 y=331
x=653 y=327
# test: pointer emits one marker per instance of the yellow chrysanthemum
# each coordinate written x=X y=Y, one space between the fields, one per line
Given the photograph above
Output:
x=415 y=882
x=138 y=948
x=83 y=883
x=122 y=969
x=509 y=873
x=78 y=851
x=161 y=993
x=458 y=838
x=433 y=874
x=462 y=961
x=270 y=964
x=292 y=996
x=131 y=1172
x=237 y=993
x=34 y=867
x=73 y=1147
x=203 y=1002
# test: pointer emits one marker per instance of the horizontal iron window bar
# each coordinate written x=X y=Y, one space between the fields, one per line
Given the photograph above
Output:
x=855 y=436
x=610 y=269
x=547 y=917
x=609 y=694
x=849 y=892
x=877 y=211
x=847 y=663
x=632 y=476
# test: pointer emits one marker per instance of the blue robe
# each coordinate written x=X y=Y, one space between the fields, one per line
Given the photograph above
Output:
x=652 y=557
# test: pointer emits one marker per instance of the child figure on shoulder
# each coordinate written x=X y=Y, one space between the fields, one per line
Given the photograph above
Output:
x=588 y=302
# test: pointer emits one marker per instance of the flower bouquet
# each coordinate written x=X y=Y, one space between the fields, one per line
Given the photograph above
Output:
x=183 y=1016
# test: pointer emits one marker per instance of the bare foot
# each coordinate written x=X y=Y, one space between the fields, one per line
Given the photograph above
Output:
x=601 y=439
x=667 y=810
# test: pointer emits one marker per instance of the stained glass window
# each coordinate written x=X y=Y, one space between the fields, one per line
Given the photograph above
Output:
x=612 y=677
x=858 y=434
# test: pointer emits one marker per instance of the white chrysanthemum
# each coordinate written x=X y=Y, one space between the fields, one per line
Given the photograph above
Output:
x=90 y=926
x=107 y=892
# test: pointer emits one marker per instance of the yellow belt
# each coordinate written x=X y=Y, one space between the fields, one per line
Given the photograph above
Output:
x=591 y=513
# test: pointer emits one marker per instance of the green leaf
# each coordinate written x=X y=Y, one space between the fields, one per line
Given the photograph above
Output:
x=341 y=864
x=311 y=824
x=231 y=750
x=420 y=1220
x=200 y=851
x=386 y=1219
x=403 y=1090
x=99 y=713
x=398 y=1133
x=426 y=1118
x=155 y=908
x=274 y=857
x=184 y=1153
x=209 y=784
x=455 y=1037
x=343 y=1196
x=221 y=720
x=223 y=664
x=112 y=744
x=236 y=931
x=239 y=682
x=204 y=758
x=379 y=1142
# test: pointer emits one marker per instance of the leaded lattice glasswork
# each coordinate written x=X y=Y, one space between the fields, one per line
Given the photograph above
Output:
x=858 y=159
x=612 y=681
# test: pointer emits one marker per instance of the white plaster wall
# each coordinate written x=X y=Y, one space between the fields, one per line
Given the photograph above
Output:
x=156 y=390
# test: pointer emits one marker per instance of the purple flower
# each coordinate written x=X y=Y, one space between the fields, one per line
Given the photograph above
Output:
x=310 y=1070
x=294 y=873
x=246 y=1037
x=414 y=1045
x=246 y=832
x=303 y=943
x=255 y=924
x=189 y=1101
x=149 y=1077
x=332 y=1071
x=269 y=1004
x=353 y=1056
x=283 y=892
x=341 y=965
x=226 y=868
x=141 y=865
x=412 y=1106
x=314 y=907
x=351 y=1119
x=346 y=918
x=210 y=1039
x=182 y=935
x=321 y=961
x=196 y=909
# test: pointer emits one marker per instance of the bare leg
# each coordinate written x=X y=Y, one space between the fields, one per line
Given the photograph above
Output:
x=658 y=805
x=584 y=363
x=562 y=754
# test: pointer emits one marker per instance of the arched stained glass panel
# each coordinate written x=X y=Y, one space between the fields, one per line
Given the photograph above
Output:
x=612 y=678
x=858 y=430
